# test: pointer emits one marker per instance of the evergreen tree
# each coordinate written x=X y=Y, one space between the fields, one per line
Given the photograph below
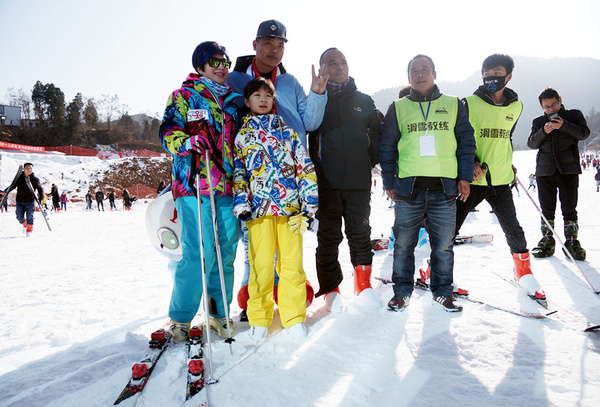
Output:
x=38 y=98
x=48 y=104
x=90 y=114
x=73 y=120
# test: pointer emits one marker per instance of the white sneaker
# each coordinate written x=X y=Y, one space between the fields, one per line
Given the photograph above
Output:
x=368 y=299
x=258 y=332
x=333 y=302
x=297 y=331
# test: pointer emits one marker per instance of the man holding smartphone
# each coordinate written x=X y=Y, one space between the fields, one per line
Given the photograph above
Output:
x=556 y=135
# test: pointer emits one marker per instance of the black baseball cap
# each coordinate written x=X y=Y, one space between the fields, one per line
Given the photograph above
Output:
x=272 y=28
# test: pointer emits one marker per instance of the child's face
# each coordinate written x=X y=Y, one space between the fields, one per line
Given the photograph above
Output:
x=260 y=102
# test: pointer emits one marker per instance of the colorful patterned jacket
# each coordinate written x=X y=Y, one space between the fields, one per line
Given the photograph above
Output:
x=274 y=175
x=197 y=121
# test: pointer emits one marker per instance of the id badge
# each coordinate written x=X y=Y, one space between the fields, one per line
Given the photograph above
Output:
x=427 y=145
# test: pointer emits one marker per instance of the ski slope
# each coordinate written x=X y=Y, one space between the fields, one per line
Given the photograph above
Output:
x=78 y=304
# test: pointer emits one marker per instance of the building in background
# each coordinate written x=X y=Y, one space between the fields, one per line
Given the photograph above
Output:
x=10 y=115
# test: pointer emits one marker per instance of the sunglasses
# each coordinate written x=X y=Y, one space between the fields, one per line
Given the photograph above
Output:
x=215 y=62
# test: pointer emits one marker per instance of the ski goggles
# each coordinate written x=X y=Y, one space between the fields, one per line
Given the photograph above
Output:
x=215 y=62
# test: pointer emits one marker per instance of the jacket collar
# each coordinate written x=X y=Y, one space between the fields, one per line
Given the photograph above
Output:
x=511 y=96
x=417 y=97
x=242 y=64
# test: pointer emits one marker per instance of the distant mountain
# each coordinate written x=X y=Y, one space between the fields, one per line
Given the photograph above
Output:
x=575 y=79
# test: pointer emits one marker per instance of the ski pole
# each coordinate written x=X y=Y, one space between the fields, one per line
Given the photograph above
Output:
x=211 y=378
x=596 y=291
x=213 y=210
x=28 y=182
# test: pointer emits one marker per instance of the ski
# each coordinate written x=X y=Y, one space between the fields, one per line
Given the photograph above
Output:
x=12 y=185
x=483 y=238
x=140 y=372
x=543 y=302
x=575 y=321
x=28 y=182
x=459 y=292
x=196 y=395
x=424 y=286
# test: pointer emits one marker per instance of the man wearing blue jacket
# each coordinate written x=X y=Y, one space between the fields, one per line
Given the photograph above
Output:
x=298 y=111
x=427 y=155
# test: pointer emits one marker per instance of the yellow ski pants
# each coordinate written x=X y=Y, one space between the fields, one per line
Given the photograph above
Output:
x=267 y=235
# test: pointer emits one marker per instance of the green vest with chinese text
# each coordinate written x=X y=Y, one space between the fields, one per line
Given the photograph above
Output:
x=493 y=126
x=427 y=148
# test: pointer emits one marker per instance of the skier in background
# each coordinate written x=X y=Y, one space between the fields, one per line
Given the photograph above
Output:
x=126 y=200
x=88 y=201
x=55 y=198
x=531 y=182
x=26 y=198
x=4 y=207
x=63 y=201
x=100 y=199
x=160 y=188
x=111 y=200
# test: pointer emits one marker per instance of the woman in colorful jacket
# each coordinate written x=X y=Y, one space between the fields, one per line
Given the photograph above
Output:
x=275 y=190
x=201 y=119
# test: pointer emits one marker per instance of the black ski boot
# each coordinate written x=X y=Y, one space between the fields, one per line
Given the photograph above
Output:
x=545 y=247
x=572 y=244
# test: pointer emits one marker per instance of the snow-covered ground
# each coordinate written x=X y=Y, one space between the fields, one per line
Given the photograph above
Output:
x=77 y=306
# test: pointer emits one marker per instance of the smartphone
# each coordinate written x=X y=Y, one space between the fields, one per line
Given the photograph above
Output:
x=553 y=116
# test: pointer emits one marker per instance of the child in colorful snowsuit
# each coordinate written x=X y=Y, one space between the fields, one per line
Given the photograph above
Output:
x=202 y=118
x=275 y=190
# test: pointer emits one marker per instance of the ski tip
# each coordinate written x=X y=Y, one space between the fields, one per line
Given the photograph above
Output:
x=593 y=328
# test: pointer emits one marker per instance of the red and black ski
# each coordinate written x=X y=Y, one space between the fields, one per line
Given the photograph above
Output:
x=196 y=395
x=140 y=372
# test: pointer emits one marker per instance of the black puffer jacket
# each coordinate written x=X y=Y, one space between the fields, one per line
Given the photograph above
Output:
x=559 y=150
x=346 y=145
x=24 y=193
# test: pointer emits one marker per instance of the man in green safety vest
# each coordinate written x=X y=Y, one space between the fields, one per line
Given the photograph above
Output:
x=493 y=112
x=427 y=153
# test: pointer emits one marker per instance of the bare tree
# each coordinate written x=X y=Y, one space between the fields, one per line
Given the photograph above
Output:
x=19 y=98
x=110 y=105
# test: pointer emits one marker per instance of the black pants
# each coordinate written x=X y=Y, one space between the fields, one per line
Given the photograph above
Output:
x=501 y=201
x=567 y=187
x=354 y=206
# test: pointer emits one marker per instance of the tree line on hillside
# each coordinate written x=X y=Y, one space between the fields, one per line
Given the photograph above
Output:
x=47 y=120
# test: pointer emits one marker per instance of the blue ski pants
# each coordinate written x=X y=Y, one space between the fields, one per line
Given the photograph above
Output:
x=187 y=287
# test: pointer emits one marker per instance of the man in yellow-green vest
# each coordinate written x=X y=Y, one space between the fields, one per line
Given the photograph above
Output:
x=493 y=112
x=427 y=153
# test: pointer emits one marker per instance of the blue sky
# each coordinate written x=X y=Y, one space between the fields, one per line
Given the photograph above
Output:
x=141 y=50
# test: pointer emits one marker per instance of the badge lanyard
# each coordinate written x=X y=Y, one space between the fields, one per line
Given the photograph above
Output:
x=425 y=116
x=426 y=142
